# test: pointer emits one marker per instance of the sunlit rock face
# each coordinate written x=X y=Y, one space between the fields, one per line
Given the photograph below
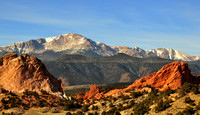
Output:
x=20 y=73
x=172 y=76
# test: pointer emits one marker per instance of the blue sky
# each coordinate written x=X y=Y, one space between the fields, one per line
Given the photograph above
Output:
x=148 y=24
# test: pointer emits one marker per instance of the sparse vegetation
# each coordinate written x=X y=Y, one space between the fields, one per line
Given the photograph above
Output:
x=85 y=108
x=187 y=111
x=112 y=86
x=162 y=105
x=189 y=101
x=55 y=110
x=198 y=106
x=136 y=102
x=136 y=94
x=94 y=107
x=141 y=109
x=188 y=87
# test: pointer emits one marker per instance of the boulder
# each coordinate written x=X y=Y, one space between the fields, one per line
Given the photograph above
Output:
x=20 y=73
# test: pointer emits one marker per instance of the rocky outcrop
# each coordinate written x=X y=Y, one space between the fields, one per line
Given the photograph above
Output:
x=172 y=76
x=92 y=94
x=19 y=73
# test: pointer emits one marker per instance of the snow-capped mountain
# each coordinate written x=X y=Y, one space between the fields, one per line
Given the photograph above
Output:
x=173 y=54
x=53 y=47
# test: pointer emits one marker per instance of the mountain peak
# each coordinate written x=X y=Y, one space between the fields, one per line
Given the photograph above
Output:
x=72 y=43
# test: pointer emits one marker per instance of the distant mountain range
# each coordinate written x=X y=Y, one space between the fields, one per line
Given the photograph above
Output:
x=78 y=69
x=52 y=48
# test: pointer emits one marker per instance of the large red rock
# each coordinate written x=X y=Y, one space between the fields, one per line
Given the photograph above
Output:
x=172 y=76
x=19 y=73
x=92 y=92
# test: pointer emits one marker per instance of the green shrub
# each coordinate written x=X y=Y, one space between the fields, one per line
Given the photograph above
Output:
x=7 y=113
x=119 y=105
x=187 y=111
x=44 y=92
x=113 y=111
x=189 y=101
x=90 y=113
x=103 y=104
x=79 y=113
x=103 y=113
x=55 y=110
x=70 y=105
x=188 y=87
x=167 y=92
x=136 y=94
x=42 y=103
x=179 y=113
x=26 y=92
x=111 y=105
x=114 y=99
x=132 y=102
x=11 y=93
x=93 y=113
x=162 y=105
x=116 y=113
x=140 y=109
x=68 y=113
x=85 y=108
x=182 y=93
x=95 y=107
x=198 y=106
x=3 y=101
x=96 y=113
x=124 y=97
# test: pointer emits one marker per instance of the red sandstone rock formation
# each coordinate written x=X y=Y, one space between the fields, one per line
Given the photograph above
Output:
x=92 y=94
x=19 y=73
x=115 y=91
x=172 y=76
x=80 y=96
x=93 y=91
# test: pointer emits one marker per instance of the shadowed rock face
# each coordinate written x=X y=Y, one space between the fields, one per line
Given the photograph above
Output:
x=19 y=73
x=172 y=76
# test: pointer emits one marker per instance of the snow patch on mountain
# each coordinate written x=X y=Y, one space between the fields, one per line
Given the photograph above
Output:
x=50 y=39
x=72 y=43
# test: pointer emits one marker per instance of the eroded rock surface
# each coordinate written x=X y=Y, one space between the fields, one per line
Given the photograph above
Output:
x=172 y=76
x=20 y=73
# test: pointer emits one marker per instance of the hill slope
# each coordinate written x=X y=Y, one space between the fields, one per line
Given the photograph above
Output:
x=77 y=69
